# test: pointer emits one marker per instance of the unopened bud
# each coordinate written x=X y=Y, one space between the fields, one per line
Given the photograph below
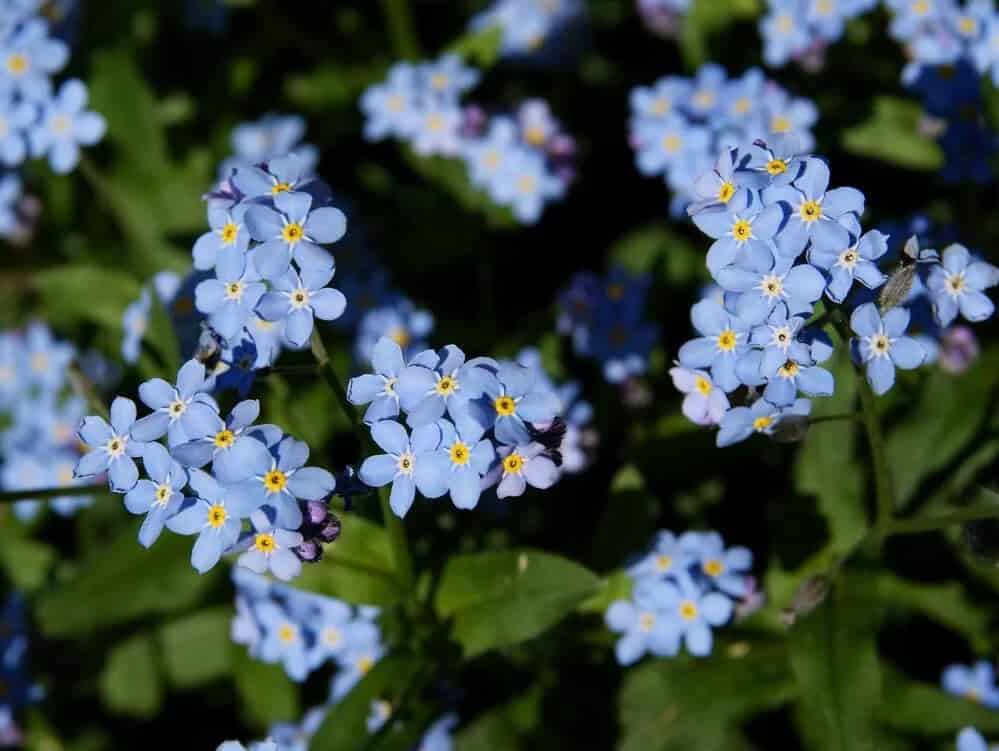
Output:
x=316 y=512
x=812 y=593
x=330 y=531
x=309 y=551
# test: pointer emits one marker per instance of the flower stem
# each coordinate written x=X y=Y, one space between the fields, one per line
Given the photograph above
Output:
x=833 y=418
x=883 y=486
x=401 y=29
x=938 y=522
x=11 y=496
x=393 y=524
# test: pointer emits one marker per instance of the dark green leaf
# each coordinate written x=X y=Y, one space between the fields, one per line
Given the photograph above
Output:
x=131 y=681
x=88 y=293
x=705 y=19
x=197 y=648
x=26 y=561
x=480 y=48
x=892 y=134
x=266 y=694
x=921 y=708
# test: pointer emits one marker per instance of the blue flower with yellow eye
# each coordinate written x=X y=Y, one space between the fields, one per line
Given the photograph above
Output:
x=183 y=412
x=511 y=400
x=401 y=321
x=158 y=497
x=488 y=158
x=768 y=280
x=668 y=143
x=762 y=417
x=228 y=444
x=780 y=157
x=693 y=611
x=881 y=344
x=855 y=262
x=270 y=137
x=287 y=173
x=427 y=391
x=284 y=640
x=378 y=389
x=293 y=229
x=464 y=456
x=390 y=107
x=644 y=622
x=785 y=32
x=527 y=185
x=213 y=515
x=743 y=230
x=64 y=126
x=112 y=447
x=407 y=464
x=778 y=338
x=270 y=549
x=229 y=300
x=724 y=339
x=298 y=299
x=786 y=379
x=47 y=358
x=227 y=231
x=29 y=56
x=16 y=118
x=659 y=101
x=447 y=77
x=958 y=284
x=976 y=683
x=730 y=175
x=706 y=91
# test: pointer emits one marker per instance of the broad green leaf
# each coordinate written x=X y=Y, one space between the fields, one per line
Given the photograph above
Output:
x=480 y=48
x=616 y=586
x=834 y=660
x=25 y=561
x=344 y=728
x=89 y=293
x=643 y=250
x=197 y=648
x=705 y=19
x=501 y=598
x=922 y=708
x=121 y=580
x=265 y=693
x=130 y=682
x=892 y=134
x=331 y=86
x=684 y=703
x=357 y=567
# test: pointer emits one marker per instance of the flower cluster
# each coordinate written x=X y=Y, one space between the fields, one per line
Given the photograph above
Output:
x=38 y=441
x=605 y=318
x=528 y=25
x=258 y=475
x=679 y=125
x=800 y=30
x=976 y=683
x=782 y=240
x=473 y=423
x=303 y=630
x=682 y=588
x=270 y=137
x=522 y=161
x=19 y=690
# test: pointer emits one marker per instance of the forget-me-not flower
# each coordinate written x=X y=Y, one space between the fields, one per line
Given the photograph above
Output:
x=407 y=463
x=957 y=286
x=425 y=393
x=271 y=549
x=183 y=412
x=855 y=262
x=693 y=612
x=644 y=622
x=762 y=417
x=293 y=230
x=298 y=299
x=158 y=497
x=976 y=683
x=511 y=400
x=65 y=125
x=229 y=300
x=227 y=445
x=112 y=447
x=522 y=466
x=212 y=515
x=724 y=339
x=703 y=403
x=882 y=346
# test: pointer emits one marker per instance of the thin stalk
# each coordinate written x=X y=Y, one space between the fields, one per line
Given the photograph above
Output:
x=401 y=29
x=11 y=496
x=393 y=524
x=834 y=418
x=883 y=485
x=936 y=523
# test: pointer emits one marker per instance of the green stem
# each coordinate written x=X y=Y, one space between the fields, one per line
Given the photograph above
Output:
x=393 y=524
x=833 y=418
x=10 y=496
x=936 y=523
x=401 y=28
x=883 y=486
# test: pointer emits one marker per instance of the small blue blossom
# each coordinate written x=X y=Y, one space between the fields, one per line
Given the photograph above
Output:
x=229 y=300
x=726 y=569
x=16 y=118
x=293 y=230
x=284 y=640
x=724 y=339
x=401 y=321
x=522 y=466
x=390 y=107
x=881 y=344
x=970 y=739
x=645 y=623
x=270 y=549
x=227 y=231
x=425 y=392
x=299 y=299
x=855 y=262
x=512 y=400
x=287 y=173
x=378 y=389
x=703 y=404
x=28 y=57
x=214 y=515
x=407 y=464
x=160 y=496
x=767 y=280
x=957 y=285
x=64 y=126
x=743 y=231
x=763 y=417
x=183 y=412
x=692 y=612
x=666 y=556
x=271 y=136
x=228 y=445
x=112 y=447
x=526 y=185
x=976 y=683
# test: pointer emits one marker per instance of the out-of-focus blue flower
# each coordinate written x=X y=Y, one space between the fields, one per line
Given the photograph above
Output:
x=10 y=194
x=976 y=683
x=112 y=447
x=438 y=735
x=390 y=107
x=283 y=641
x=400 y=321
x=703 y=404
x=882 y=346
x=763 y=417
x=47 y=358
x=29 y=56
x=378 y=715
x=16 y=117
x=526 y=186
x=214 y=515
x=692 y=611
x=448 y=77
x=408 y=463
x=666 y=556
x=527 y=24
x=271 y=136
x=957 y=286
x=160 y=496
x=645 y=623
x=970 y=739
x=727 y=569
x=64 y=126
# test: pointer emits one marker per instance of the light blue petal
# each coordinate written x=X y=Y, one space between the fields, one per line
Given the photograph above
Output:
x=378 y=470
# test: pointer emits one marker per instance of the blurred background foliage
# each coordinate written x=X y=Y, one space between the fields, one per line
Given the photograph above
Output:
x=133 y=647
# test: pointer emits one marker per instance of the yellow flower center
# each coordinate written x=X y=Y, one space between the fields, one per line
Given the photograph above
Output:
x=921 y=7
x=663 y=563
x=435 y=122
x=491 y=160
x=513 y=464
x=789 y=369
x=967 y=25
x=224 y=439
x=527 y=184
x=661 y=106
x=704 y=98
x=780 y=124
x=39 y=362
x=810 y=211
x=280 y=187
x=742 y=105
x=406 y=463
x=395 y=103
x=785 y=23
x=713 y=567
x=446 y=386
x=880 y=344
x=534 y=135
x=61 y=125
x=973 y=695
x=646 y=622
x=292 y=233
x=275 y=481
x=217 y=516
x=163 y=493
x=505 y=406
x=776 y=167
x=288 y=633
x=364 y=665
x=824 y=7
x=234 y=290
x=332 y=636
x=762 y=423
x=176 y=408
x=848 y=258
x=400 y=336
x=742 y=230
x=727 y=340
x=439 y=81
x=703 y=385
x=390 y=386
x=299 y=298
x=264 y=543
x=64 y=474
x=688 y=610
x=726 y=191
x=18 y=64
x=615 y=292
x=460 y=453
x=116 y=446
x=672 y=143
x=771 y=286
x=955 y=284
x=229 y=233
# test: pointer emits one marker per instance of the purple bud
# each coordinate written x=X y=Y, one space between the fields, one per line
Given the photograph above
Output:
x=958 y=349
x=316 y=512
x=330 y=531
x=309 y=551
x=473 y=121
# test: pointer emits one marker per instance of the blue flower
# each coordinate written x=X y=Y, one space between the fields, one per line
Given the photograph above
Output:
x=438 y=735
x=779 y=157
x=183 y=412
x=693 y=612
x=666 y=556
x=667 y=144
x=408 y=463
x=269 y=137
x=785 y=32
x=488 y=158
x=378 y=715
x=855 y=262
x=957 y=286
x=512 y=400
x=976 y=683
x=160 y=496
x=278 y=481
x=399 y=320
x=742 y=229
x=462 y=460
x=526 y=185
x=237 y=366
x=767 y=280
x=816 y=214
x=61 y=465
x=448 y=77
x=719 y=185
x=882 y=346
x=112 y=446
x=970 y=739
x=285 y=174
x=270 y=549
x=299 y=300
x=390 y=107
x=727 y=570
x=47 y=358
x=230 y=299
x=778 y=337
x=706 y=91
x=293 y=230
x=787 y=115
x=284 y=640
x=379 y=388
x=29 y=56
x=724 y=339
x=427 y=391
x=228 y=445
x=703 y=404
x=335 y=631
x=214 y=515
x=16 y=118
x=763 y=417
x=135 y=321
x=659 y=101
x=10 y=194
x=645 y=623
x=522 y=466
x=354 y=665
x=65 y=126
x=227 y=231
x=436 y=129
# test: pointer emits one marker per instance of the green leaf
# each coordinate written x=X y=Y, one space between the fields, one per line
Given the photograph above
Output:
x=501 y=598
x=480 y=48
x=344 y=728
x=266 y=694
x=357 y=568
x=892 y=134
x=196 y=648
x=25 y=561
x=98 y=295
x=685 y=703
x=642 y=250
x=130 y=682
x=331 y=86
x=705 y=19
x=834 y=659
x=119 y=581
x=927 y=710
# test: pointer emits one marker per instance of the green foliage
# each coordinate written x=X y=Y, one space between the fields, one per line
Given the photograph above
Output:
x=197 y=648
x=265 y=693
x=706 y=19
x=498 y=599
x=504 y=726
x=480 y=48
x=130 y=682
x=916 y=708
x=25 y=561
x=892 y=134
